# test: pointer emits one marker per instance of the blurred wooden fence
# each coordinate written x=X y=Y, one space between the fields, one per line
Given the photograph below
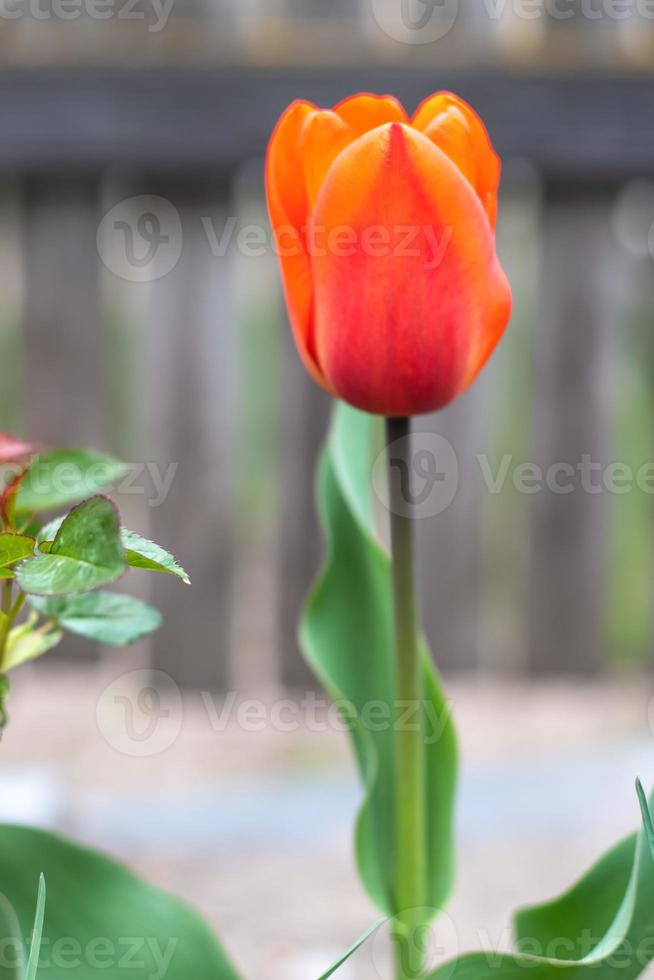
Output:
x=192 y=376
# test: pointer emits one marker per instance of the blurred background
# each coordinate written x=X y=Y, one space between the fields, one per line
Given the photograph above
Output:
x=142 y=315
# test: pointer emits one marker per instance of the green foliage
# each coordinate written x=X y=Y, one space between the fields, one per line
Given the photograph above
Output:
x=347 y=635
x=141 y=553
x=63 y=477
x=352 y=950
x=26 y=642
x=14 y=547
x=100 y=920
x=86 y=553
x=103 y=616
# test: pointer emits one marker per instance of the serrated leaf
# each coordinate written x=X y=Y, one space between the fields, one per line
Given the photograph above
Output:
x=347 y=636
x=26 y=643
x=85 y=554
x=602 y=929
x=123 y=927
x=352 y=950
x=141 y=553
x=14 y=547
x=63 y=477
x=103 y=616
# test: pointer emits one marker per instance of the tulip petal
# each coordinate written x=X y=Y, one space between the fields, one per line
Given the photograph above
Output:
x=288 y=206
x=403 y=329
x=365 y=112
x=324 y=136
x=455 y=128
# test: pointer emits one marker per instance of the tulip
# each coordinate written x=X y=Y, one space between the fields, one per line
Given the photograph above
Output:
x=385 y=231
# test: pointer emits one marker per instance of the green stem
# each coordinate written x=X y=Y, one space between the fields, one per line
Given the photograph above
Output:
x=410 y=831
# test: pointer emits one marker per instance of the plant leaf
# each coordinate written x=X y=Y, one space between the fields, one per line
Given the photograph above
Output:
x=13 y=959
x=103 y=616
x=85 y=554
x=141 y=553
x=119 y=925
x=347 y=636
x=63 y=477
x=602 y=929
x=14 y=547
x=37 y=932
x=352 y=950
x=26 y=643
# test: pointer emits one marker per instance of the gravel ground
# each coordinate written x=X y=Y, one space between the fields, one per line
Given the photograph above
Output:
x=246 y=809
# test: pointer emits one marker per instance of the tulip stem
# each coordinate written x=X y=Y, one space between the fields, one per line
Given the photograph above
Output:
x=410 y=830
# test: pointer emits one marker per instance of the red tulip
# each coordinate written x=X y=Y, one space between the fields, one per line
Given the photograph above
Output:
x=385 y=230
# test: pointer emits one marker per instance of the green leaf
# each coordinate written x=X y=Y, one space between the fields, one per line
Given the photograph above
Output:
x=100 y=920
x=347 y=636
x=141 y=553
x=352 y=950
x=63 y=477
x=104 y=616
x=85 y=554
x=602 y=929
x=37 y=932
x=6 y=573
x=27 y=643
x=14 y=547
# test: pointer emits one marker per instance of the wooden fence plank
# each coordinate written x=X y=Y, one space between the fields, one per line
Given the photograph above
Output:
x=63 y=328
x=573 y=428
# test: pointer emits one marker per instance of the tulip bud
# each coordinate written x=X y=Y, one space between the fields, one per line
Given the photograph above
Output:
x=385 y=231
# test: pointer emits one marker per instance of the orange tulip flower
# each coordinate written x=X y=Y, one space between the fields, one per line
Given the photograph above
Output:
x=385 y=231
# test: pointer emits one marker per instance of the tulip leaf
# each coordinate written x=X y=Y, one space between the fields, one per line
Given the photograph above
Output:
x=347 y=636
x=14 y=547
x=85 y=554
x=101 y=920
x=141 y=553
x=352 y=950
x=602 y=929
x=37 y=932
x=103 y=616
x=63 y=477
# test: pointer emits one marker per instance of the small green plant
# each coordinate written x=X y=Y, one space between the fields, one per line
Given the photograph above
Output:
x=53 y=570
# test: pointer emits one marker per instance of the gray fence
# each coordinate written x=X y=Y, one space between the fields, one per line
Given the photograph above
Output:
x=190 y=373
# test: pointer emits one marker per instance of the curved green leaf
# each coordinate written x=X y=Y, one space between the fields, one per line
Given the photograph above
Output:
x=104 y=616
x=602 y=929
x=85 y=554
x=100 y=919
x=347 y=636
x=37 y=932
x=141 y=553
x=65 y=476
x=352 y=950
